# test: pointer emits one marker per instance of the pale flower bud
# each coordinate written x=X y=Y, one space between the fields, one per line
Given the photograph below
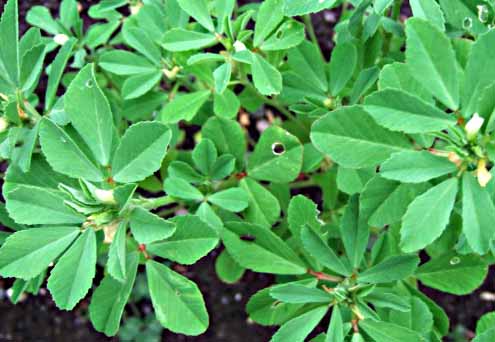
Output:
x=60 y=38
x=104 y=196
x=239 y=46
x=109 y=230
x=136 y=8
x=454 y=158
x=4 y=124
x=484 y=176
x=473 y=126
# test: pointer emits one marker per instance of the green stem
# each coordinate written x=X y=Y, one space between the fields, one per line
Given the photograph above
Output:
x=309 y=27
x=153 y=203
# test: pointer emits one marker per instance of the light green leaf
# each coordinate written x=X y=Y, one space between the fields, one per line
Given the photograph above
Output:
x=72 y=276
x=264 y=208
x=299 y=294
x=478 y=214
x=222 y=75
x=204 y=156
x=385 y=202
x=179 y=188
x=178 y=303
x=277 y=157
x=290 y=34
x=116 y=264
x=453 y=273
x=139 y=40
x=352 y=181
x=226 y=105
x=319 y=249
x=140 y=151
x=9 y=36
x=432 y=60
x=261 y=250
x=400 y=76
x=233 y=199
x=178 y=39
x=90 y=114
x=227 y=269
x=138 y=85
x=388 y=332
x=147 y=227
x=121 y=62
x=353 y=139
x=302 y=211
x=336 y=330
x=270 y=14
x=428 y=215
x=392 y=269
x=193 y=239
x=184 y=107
x=198 y=9
x=416 y=167
x=400 y=111
x=480 y=71
x=267 y=79
x=299 y=7
x=110 y=297
x=27 y=253
x=342 y=66
x=354 y=232
x=486 y=336
x=486 y=322
x=65 y=155
x=429 y=10
x=297 y=329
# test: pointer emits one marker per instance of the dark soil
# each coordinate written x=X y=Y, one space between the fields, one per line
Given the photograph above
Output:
x=37 y=319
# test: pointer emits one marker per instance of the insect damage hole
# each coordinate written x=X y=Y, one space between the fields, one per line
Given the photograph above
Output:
x=89 y=83
x=278 y=148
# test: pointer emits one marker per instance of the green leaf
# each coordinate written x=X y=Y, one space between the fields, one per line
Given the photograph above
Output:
x=179 y=188
x=184 y=107
x=400 y=76
x=453 y=273
x=198 y=9
x=228 y=136
x=391 y=269
x=193 y=239
x=222 y=76
x=400 y=111
x=258 y=249
x=226 y=105
x=41 y=17
x=9 y=36
x=342 y=66
x=480 y=71
x=116 y=264
x=428 y=215
x=204 y=156
x=297 y=329
x=147 y=227
x=299 y=294
x=178 y=303
x=478 y=214
x=56 y=72
x=277 y=157
x=302 y=211
x=264 y=208
x=90 y=114
x=319 y=249
x=72 y=276
x=336 y=330
x=139 y=40
x=233 y=199
x=267 y=79
x=428 y=10
x=354 y=232
x=385 y=202
x=290 y=34
x=110 y=297
x=139 y=85
x=381 y=331
x=65 y=155
x=177 y=40
x=416 y=167
x=432 y=59
x=299 y=7
x=352 y=181
x=227 y=269
x=307 y=63
x=486 y=336
x=353 y=139
x=270 y=14
x=121 y=62
x=27 y=253
x=486 y=322
x=140 y=151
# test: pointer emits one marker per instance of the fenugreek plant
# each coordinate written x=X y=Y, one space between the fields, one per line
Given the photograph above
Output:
x=170 y=128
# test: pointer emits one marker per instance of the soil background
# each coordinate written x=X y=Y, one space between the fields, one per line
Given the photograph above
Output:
x=36 y=318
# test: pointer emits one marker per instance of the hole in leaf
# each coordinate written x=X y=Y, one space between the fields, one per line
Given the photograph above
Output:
x=89 y=83
x=248 y=238
x=278 y=148
x=467 y=23
x=455 y=260
x=19 y=144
